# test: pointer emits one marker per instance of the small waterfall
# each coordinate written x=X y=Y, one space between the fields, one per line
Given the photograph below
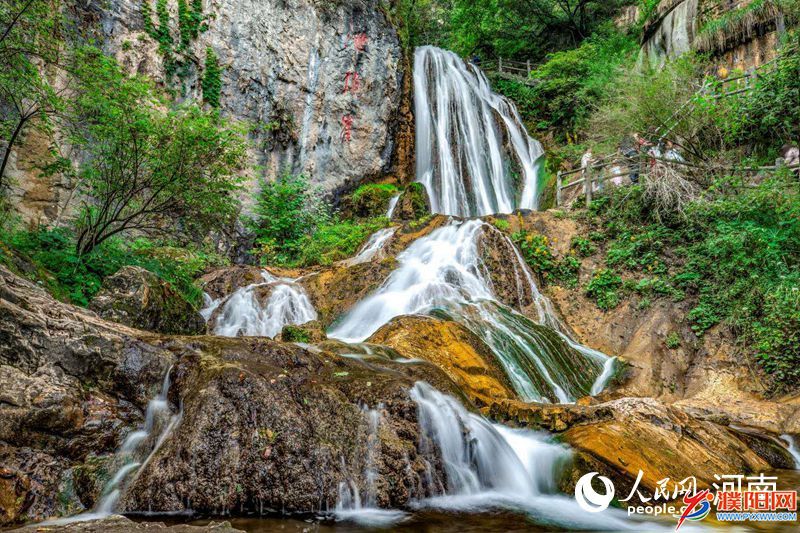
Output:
x=135 y=452
x=443 y=274
x=489 y=466
x=470 y=142
x=392 y=206
x=373 y=247
x=243 y=314
x=793 y=449
x=351 y=505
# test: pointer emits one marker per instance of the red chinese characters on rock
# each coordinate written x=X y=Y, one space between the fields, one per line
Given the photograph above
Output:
x=347 y=128
x=360 y=41
x=352 y=82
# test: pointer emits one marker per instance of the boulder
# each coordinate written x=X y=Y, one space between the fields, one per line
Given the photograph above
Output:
x=273 y=427
x=413 y=203
x=224 y=281
x=309 y=333
x=463 y=356
x=140 y=299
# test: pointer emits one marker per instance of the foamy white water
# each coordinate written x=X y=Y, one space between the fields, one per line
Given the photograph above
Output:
x=243 y=314
x=443 y=273
x=373 y=247
x=469 y=140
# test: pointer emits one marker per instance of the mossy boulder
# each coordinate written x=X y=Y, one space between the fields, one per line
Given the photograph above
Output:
x=140 y=299
x=372 y=200
x=413 y=204
x=308 y=333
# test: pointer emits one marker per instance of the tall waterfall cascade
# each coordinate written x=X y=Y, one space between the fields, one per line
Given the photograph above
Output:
x=471 y=145
x=443 y=273
x=243 y=314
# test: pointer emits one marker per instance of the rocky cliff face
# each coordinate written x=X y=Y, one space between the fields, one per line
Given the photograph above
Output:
x=320 y=83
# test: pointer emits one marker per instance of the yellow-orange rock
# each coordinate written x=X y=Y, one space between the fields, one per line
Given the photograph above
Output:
x=450 y=346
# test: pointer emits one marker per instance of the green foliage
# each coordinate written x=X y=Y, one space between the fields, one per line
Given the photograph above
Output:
x=295 y=334
x=31 y=34
x=190 y=23
x=769 y=115
x=418 y=199
x=147 y=167
x=501 y=224
x=583 y=246
x=673 y=340
x=570 y=83
x=536 y=251
x=525 y=30
x=212 y=79
x=371 y=199
x=335 y=241
x=77 y=279
x=604 y=289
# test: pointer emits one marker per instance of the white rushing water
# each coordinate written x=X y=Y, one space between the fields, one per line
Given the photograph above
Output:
x=486 y=467
x=470 y=142
x=373 y=247
x=793 y=449
x=135 y=452
x=392 y=206
x=243 y=313
x=444 y=273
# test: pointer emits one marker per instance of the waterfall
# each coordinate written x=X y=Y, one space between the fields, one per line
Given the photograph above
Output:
x=243 y=313
x=470 y=142
x=392 y=206
x=489 y=466
x=443 y=274
x=372 y=247
x=350 y=505
x=135 y=452
x=793 y=449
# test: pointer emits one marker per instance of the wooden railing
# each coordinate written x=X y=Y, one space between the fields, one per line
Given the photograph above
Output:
x=639 y=166
x=517 y=69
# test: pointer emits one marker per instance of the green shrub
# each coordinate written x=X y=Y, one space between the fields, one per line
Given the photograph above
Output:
x=536 y=251
x=77 y=279
x=673 y=340
x=583 y=246
x=335 y=241
x=604 y=289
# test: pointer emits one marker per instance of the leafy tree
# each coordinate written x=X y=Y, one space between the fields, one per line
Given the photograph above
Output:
x=30 y=44
x=148 y=168
x=526 y=29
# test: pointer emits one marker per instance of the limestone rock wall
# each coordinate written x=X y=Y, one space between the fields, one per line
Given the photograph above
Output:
x=319 y=83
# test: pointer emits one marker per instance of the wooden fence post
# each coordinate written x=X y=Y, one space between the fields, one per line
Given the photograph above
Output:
x=528 y=63
x=499 y=64
x=558 y=189
x=587 y=184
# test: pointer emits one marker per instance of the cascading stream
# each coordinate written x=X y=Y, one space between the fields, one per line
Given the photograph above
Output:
x=135 y=452
x=470 y=142
x=242 y=313
x=484 y=467
x=443 y=274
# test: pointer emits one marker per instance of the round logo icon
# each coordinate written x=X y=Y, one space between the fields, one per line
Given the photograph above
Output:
x=589 y=499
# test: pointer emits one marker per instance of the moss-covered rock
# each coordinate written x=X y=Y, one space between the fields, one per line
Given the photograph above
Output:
x=372 y=200
x=308 y=333
x=414 y=203
x=140 y=299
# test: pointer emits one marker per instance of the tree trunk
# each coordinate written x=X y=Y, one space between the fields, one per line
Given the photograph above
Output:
x=10 y=146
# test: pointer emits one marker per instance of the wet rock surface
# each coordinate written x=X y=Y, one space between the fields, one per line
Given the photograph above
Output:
x=120 y=524
x=272 y=427
x=138 y=298
x=463 y=356
x=413 y=203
